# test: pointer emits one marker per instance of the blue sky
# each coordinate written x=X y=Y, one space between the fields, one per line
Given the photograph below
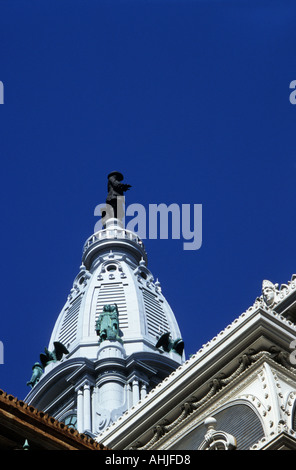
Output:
x=190 y=100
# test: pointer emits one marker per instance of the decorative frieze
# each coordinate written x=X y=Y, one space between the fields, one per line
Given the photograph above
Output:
x=268 y=410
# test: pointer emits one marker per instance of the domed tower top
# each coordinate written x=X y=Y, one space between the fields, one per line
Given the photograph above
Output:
x=116 y=327
x=114 y=271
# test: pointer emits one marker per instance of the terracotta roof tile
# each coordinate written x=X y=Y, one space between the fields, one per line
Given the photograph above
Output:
x=28 y=414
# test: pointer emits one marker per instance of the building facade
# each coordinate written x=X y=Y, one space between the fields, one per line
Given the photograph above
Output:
x=115 y=366
x=237 y=392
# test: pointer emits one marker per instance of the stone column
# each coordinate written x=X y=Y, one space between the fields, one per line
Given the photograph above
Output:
x=94 y=404
x=80 y=410
x=143 y=392
x=129 y=397
x=136 y=391
x=86 y=407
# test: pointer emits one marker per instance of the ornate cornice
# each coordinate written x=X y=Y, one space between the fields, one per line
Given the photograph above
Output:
x=216 y=385
x=258 y=310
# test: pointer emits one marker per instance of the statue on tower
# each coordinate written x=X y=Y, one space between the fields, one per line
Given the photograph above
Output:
x=115 y=197
x=36 y=374
x=107 y=325
x=53 y=356
x=168 y=344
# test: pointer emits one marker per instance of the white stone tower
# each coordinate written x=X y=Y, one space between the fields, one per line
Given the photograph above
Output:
x=102 y=373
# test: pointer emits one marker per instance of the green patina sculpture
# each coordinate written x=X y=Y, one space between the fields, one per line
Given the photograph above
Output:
x=46 y=358
x=55 y=355
x=167 y=344
x=107 y=325
x=37 y=372
x=26 y=445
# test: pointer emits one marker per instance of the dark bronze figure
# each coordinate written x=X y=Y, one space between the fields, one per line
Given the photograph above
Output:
x=55 y=355
x=167 y=344
x=115 y=197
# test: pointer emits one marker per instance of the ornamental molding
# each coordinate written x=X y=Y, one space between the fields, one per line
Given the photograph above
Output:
x=282 y=429
x=273 y=294
x=259 y=306
x=168 y=382
x=226 y=398
x=217 y=440
x=208 y=408
x=194 y=405
x=290 y=403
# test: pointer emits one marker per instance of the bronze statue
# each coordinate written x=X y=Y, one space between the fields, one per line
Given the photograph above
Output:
x=55 y=355
x=37 y=372
x=115 y=197
x=107 y=325
x=167 y=344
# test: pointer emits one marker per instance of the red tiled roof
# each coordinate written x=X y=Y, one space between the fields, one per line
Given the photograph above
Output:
x=17 y=418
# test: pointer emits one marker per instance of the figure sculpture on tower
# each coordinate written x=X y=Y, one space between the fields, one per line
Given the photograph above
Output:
x=107 y=325
x=115 y=197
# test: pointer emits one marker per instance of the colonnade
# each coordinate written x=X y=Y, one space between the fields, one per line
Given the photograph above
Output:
x=106 y=395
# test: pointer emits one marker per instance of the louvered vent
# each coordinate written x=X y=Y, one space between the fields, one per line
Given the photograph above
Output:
x=69 y=326
x=113 y=294
x=156 y=319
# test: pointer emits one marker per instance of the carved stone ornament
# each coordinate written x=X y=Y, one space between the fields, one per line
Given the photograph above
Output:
x=270 y=293
x=217 y=440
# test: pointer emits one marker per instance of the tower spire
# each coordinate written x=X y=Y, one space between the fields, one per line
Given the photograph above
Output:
x=110 y=328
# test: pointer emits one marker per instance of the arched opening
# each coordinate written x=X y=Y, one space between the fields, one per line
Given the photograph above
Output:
x=239 y=420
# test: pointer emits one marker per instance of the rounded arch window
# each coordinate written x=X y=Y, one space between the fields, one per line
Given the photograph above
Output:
x=239 y=420
x=111 y=267
x=71 y=421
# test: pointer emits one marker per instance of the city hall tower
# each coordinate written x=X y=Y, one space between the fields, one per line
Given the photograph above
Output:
x=116 y=337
